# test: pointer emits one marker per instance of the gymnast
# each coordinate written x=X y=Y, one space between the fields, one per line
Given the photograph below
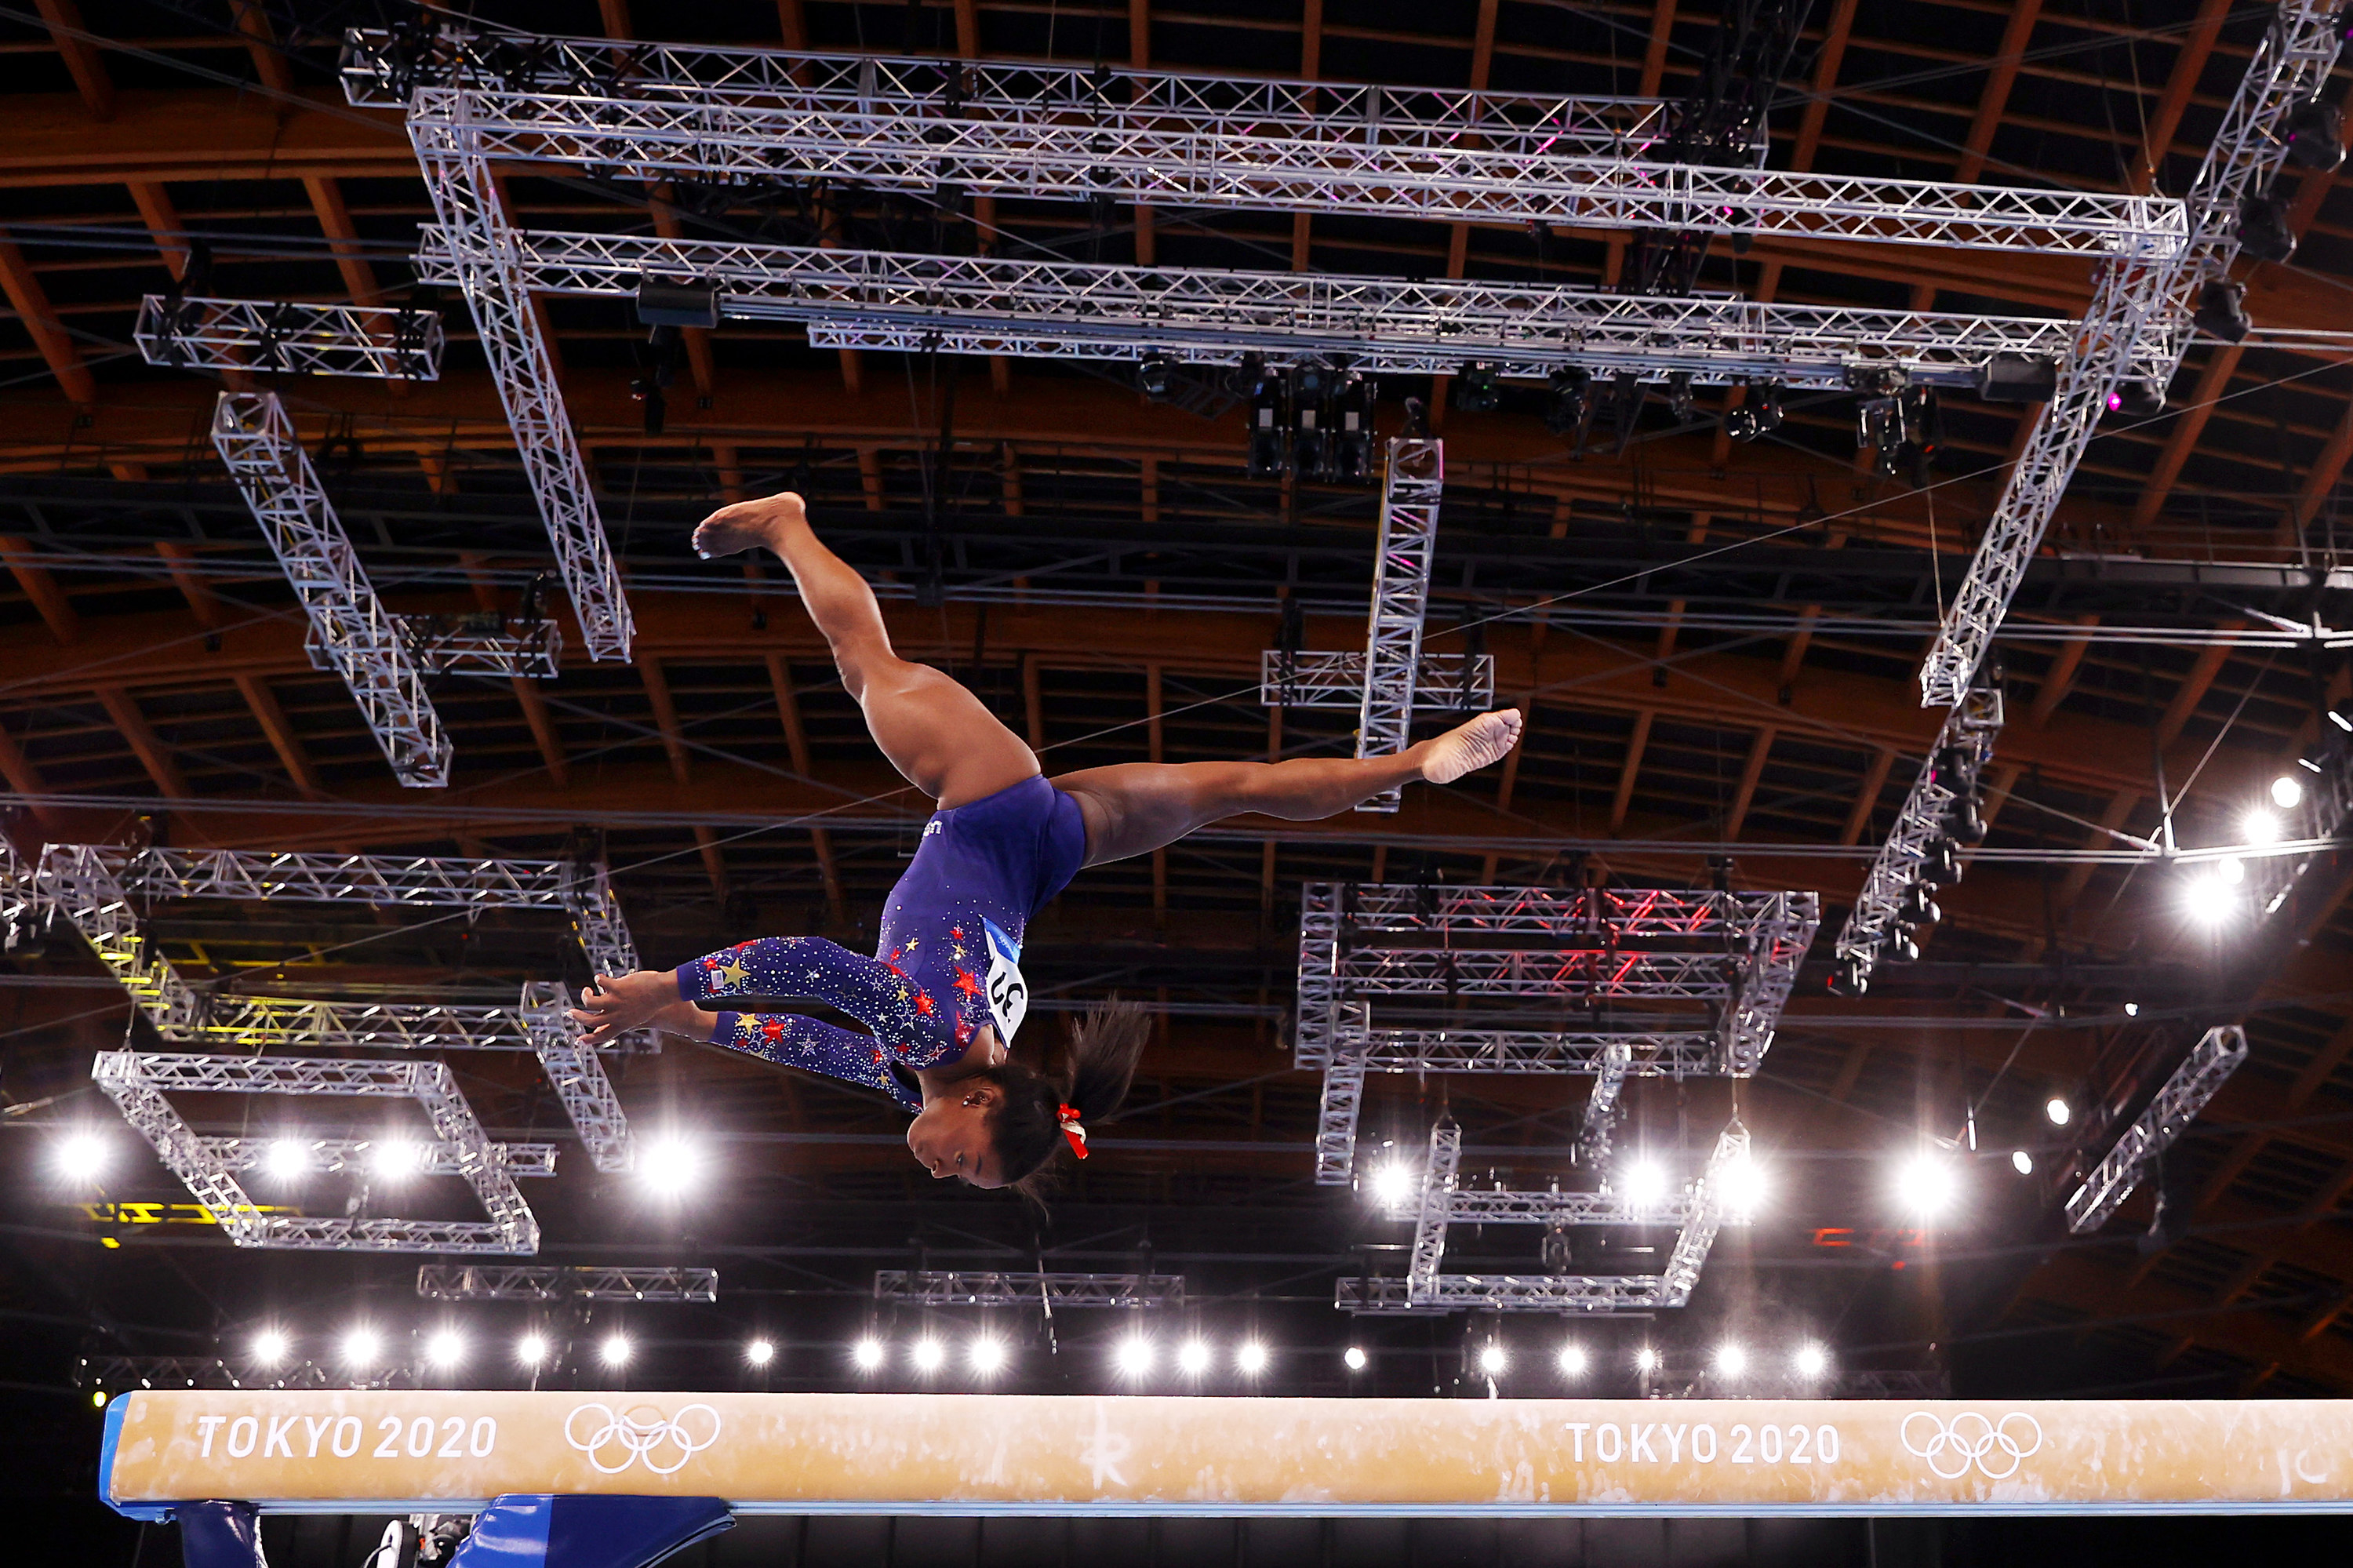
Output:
x=944 y=995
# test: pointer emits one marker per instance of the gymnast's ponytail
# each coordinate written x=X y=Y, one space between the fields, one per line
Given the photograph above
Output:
x=1029 y=1126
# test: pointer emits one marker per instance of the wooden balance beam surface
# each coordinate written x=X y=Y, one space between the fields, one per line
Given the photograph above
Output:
x=973 y=1454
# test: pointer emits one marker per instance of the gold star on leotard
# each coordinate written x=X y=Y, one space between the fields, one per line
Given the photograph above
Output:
x=733 y=974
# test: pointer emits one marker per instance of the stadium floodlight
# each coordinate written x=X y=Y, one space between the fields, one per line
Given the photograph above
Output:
x=2022 y=1163
x=1646 y=1359
x=531 y=1349
x=1926 y=1184
x=2259 y=827
x=760 y=1352
x=866 y=1353
x=1731 y=1361
x=446 y=1348
x=270 y=1347
x=360 y=1347
x=929 y=1354
x=1493 y=1359
x=616 y=1351
x=2059 y=1112
x=1811 y=1360
x=83 y=1156
x=1646 y=1183
x=1134 y=1355
x=1250 y=1360
x=1193 y=1358
x=1354 y=1357
x=988 y=1354
x=2287 y=791
x=1393 y=1184
x=668 y=1165
x=286 y=1158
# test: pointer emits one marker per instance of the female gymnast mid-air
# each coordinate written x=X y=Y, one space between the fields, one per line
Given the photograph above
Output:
x=944 y=995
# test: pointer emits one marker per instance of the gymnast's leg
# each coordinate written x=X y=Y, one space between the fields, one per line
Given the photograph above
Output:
x=1137 y=807
x=934 y=732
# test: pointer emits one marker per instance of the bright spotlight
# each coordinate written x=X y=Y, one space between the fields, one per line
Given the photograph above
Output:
x=668 y=1166
x=1811 y=1360
x=866 y=1353
x=2058 y=1111
x=392 y=1159
x=2132 y=1010
x=1572 y=1360
x=1646 y=1183
x=614 y=1350
x=1393 y=1184
x=1731 y=1359
x=531 y=1349
x=360 y=1347
x=1926 y=1183
x=2231 y=871
x=986 y=1354
x=1493 y=1359
x=1251 y=1358
x=445 y=1349
x=1134 y=1355
x=2287 y=791
x=1646 y=1359
x=929 y=1355
x=270 y=1347
x=2261 y=827
x=2022 y=1163
x=1193 y=1358
x=1354 y=1357
x=759 y=1352
x=83 y=1156
x=1744 y=1186
x=286 y=1158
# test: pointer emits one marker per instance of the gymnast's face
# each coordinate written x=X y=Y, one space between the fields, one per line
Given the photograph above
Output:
x=950 y=1138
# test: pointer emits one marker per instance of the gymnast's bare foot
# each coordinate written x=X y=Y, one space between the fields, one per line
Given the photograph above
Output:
x=748 y=525
x=1467 y=747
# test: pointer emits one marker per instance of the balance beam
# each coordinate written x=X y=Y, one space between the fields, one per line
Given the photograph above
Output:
x=427 y=1452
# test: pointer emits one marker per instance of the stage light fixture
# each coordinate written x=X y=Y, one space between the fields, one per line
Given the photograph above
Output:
x=1740 y=424
x=866 y=1353
x=1568 y=398
x=445 y=1349
x=2287 y=791
x=2315 y=133
x=1926 y=1184
x=614 y=1350
x=394 y=1159
x=1771 y=403
x=2338 y=717
x=1679 y=398
x=928 y=1354
x=1850 y=977
x=1903 y=947
x=759 y=1352
x=287 y=1157
x=2221 y=311
x=1393 y=1184
x=531 y=1349
x=2022 y=1163
x=1152 y=374
x=2137 y=399
x=1493 y=1359
x=1250 y=1360
x=270 y=1347
x=986 y=1354
x=1476 y=390
x=1134 y=1355
x=1917 y=907
x=1811 y=1360
x=1646 y=1359
x=2264 y=231
x=2058 y=1111
x=1572 y=1361
x=2259 y=827
x=666 y=1165
x=1646 y=1183
x=1266 y=420
x=2230 y=870
x=83 y=1156
x=1193 y=1358
x=2132 y=1010
x=360 y=1347
x=1731 y=1361
x=1354 y=1358
x=1744 y=1186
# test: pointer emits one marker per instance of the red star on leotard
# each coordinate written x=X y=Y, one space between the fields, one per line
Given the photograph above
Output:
x=967 y=983
x=958 y=932
x=774 y=1029
x=924 y=1003
x=964 y=1030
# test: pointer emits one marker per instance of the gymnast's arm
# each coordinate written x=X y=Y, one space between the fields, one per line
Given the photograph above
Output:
x=866 y=988
x=790 y=1039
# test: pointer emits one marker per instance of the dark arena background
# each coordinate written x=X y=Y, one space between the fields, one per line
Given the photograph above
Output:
x=1890 y=451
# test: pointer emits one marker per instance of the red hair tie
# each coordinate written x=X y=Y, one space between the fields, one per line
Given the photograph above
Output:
x=1072 y=1130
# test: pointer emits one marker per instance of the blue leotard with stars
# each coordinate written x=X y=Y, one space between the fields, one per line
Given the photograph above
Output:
x=948 y=961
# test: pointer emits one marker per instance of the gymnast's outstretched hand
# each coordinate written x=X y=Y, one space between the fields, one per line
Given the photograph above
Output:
x=613 y=1005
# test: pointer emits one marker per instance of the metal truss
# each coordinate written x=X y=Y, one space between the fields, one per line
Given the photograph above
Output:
x=1966 y=738
x=1502 y=1207
x=415 y=882
x=1064 y=310
x=361 y=640
x=1339 y=1107
x=216 y=1371
x=137 y=1082
x=2325 y=812
x=1328 y=679
x=466 y=645
x=1601 y=1106
x=972 y=1288
x=2209 y=1066
x=1701 y=1213
x=578 y=1078
x=669 y=114
x=23 y=907
x=1648 y=1055
x=383 y=70
x=391 y=343
x=2141 y=303
x=551 y=1282
x=1437 y=1207
x=335 y=1155
x=588 y=890
x=1414 y=480
x=457 y=170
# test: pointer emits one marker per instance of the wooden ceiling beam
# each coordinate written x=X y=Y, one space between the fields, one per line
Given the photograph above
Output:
x=82 y=57
x=41 y=587
x=31 y=303
x=2080 y=1284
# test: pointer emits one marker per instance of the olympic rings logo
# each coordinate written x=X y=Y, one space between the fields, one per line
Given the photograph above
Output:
x=641 y=1434
x=1995 y=1449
